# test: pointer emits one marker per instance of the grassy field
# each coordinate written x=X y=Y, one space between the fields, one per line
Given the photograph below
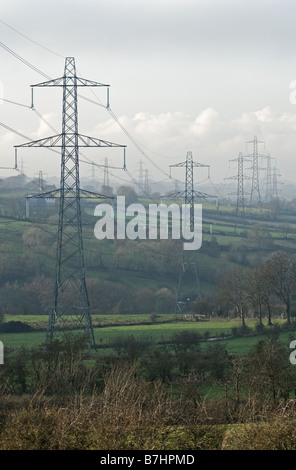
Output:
x=108 y=328
x=124 y=267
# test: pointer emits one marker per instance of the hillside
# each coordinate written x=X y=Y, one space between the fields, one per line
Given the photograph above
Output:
x=128 y=276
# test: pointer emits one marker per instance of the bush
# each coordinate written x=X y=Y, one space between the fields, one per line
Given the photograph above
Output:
x=15 y=327
x=44 y=428
x=241 y=330
x=275 y=435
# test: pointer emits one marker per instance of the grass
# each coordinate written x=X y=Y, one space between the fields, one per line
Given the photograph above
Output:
x=19 y=340
x=139 y=327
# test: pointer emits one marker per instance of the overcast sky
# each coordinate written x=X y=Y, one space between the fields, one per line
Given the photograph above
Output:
x=186 y=75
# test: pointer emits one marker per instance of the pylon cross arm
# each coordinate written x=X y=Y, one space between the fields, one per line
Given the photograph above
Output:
x=57 y=141
x=70 y=81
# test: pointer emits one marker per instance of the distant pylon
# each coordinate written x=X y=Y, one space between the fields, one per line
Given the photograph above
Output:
x=189 y=265
x=240 y=194
x=275 y=182
x=255 y=198
x=106 y=173
x=268 y=181
x=146 y=183
x=40 y=181
x=70 y=300
x=240 y=200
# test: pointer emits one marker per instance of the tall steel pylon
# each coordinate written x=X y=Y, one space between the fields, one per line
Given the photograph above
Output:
x=240 y=199
x=255 y=198
x=70 y=299
x=268 y=179
x=189 y=264
x=275 y=175
x=106 y=173
x=240 y=193
x=146 y=183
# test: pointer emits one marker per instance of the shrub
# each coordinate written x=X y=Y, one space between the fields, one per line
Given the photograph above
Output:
x=15 y=327
x=275 y=435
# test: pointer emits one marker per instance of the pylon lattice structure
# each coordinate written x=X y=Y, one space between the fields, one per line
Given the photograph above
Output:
x=70 y=301
x=240 y=193
x=240 y=200
x=268 y=189
x=189 y=265
x=275 y=182
x=106 y=173
x=255 y=198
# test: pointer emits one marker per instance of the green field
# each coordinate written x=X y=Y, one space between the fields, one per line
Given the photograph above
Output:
x=128 y=274
x=108 y=328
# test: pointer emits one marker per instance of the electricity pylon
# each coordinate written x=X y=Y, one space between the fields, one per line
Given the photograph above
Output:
x=70 y=299
x=268 y=192
x=268 y=179
x=240 y=193
x=189 y=265
x=106 y=173
x=146 y=183
x=255 y=198
x=275 y=175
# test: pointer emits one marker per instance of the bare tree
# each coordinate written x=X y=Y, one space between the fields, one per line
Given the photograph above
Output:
x=266 y=291
x=280 y=273
x=232 y=291
x=258 y=292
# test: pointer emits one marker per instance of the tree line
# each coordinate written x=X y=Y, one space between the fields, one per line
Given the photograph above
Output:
x=261 y=290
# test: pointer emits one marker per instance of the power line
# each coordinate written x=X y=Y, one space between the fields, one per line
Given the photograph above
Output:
x=131 y=138
x=24 y=61
x=14 y=102
x=98 y=103
x=31 y=40
x=13 y=130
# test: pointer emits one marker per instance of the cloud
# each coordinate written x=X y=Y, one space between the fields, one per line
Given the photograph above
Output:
x=213 y=137
x=45 y=128
x=205 y=122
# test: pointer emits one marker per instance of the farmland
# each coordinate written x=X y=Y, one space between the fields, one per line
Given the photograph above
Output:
x=108 y=328
x=129 y=281
x=209 y=372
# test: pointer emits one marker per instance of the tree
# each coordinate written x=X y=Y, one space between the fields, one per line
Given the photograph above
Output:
x=129 y=193
x=280 y=273
x=265 y=290
x=254 y=293
x=232 y=291
x=107 y=190
x=258 y=292
x=270 y=375
x=186 y=340
x=261 y=236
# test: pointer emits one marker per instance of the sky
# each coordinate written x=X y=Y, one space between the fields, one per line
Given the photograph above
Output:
x=204 y=76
